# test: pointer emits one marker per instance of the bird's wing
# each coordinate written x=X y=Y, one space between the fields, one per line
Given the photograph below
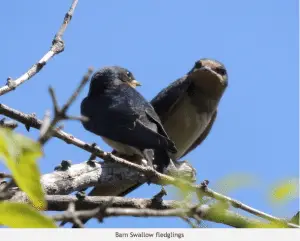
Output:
x=131 y=128
x=166 y=99
x=203 y=135
x=162 y=137
x=151 y=114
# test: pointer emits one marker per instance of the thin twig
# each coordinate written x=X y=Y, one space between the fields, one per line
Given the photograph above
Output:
x=32 y=121
x=54 y=100
x=56 y=48
x=61 y=113
x=83 y=82
x=74 y=218
x=66 y=21
x=46 y=123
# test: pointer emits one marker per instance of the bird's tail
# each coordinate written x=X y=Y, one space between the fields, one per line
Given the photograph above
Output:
x=171 y=146
x=129 y=190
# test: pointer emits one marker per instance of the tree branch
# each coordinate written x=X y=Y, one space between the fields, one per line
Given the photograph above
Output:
x=149 y=173
x=102 y=207
x=61 y=202
x=56 y=48
x=69 y=178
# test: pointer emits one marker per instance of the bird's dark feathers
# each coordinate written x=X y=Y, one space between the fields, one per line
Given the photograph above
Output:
x=123 y=109
x=151 y=114
x=107 y=78
x=120 y=113
x=168 y=97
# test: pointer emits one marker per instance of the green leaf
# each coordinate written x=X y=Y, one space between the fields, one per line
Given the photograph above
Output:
x=295 y=219
x=20 y=154
x=285 y=191
x=21 y=215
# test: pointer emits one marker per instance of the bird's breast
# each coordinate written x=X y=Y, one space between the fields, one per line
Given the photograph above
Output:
x=185 y=123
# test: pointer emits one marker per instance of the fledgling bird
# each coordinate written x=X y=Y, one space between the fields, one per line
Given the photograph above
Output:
x=124 y=119
x=188 y=107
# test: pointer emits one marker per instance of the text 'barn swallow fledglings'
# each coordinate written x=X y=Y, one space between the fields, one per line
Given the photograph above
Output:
x=124 y=119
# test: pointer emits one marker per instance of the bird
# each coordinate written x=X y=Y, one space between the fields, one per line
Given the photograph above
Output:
x=124 y=119
x=188 y=107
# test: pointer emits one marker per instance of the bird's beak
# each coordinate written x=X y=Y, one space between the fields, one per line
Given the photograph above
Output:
x=221 y=79
x=134 y=83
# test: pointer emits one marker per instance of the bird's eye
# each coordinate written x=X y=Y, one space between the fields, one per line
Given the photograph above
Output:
x=198 y=64
x=221 y=70
x=128 y=74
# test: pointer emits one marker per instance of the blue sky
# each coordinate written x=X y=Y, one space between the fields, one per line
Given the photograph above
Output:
x=256 y=132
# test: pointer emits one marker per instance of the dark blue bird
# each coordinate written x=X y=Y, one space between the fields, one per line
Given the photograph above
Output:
x=124 y=119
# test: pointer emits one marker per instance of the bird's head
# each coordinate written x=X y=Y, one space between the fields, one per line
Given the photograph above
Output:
x=209 y=74
x=109 y=77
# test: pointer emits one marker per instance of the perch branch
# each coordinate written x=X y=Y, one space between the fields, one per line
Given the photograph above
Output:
x=32 y=121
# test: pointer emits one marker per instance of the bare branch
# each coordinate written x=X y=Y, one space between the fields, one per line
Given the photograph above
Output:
x=83 y=82
x=66 y=180
x=67 y=20
x=77 y=118
x=46 y=123
x=150 y=173
x=54 y=100
x=72 y=216
x=56 y=48
x=61 y=114
x=93 y=207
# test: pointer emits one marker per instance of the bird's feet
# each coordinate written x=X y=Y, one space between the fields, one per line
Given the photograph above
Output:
x=183 y=170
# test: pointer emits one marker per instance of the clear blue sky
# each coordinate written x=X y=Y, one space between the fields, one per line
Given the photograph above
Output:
x=256 y=132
